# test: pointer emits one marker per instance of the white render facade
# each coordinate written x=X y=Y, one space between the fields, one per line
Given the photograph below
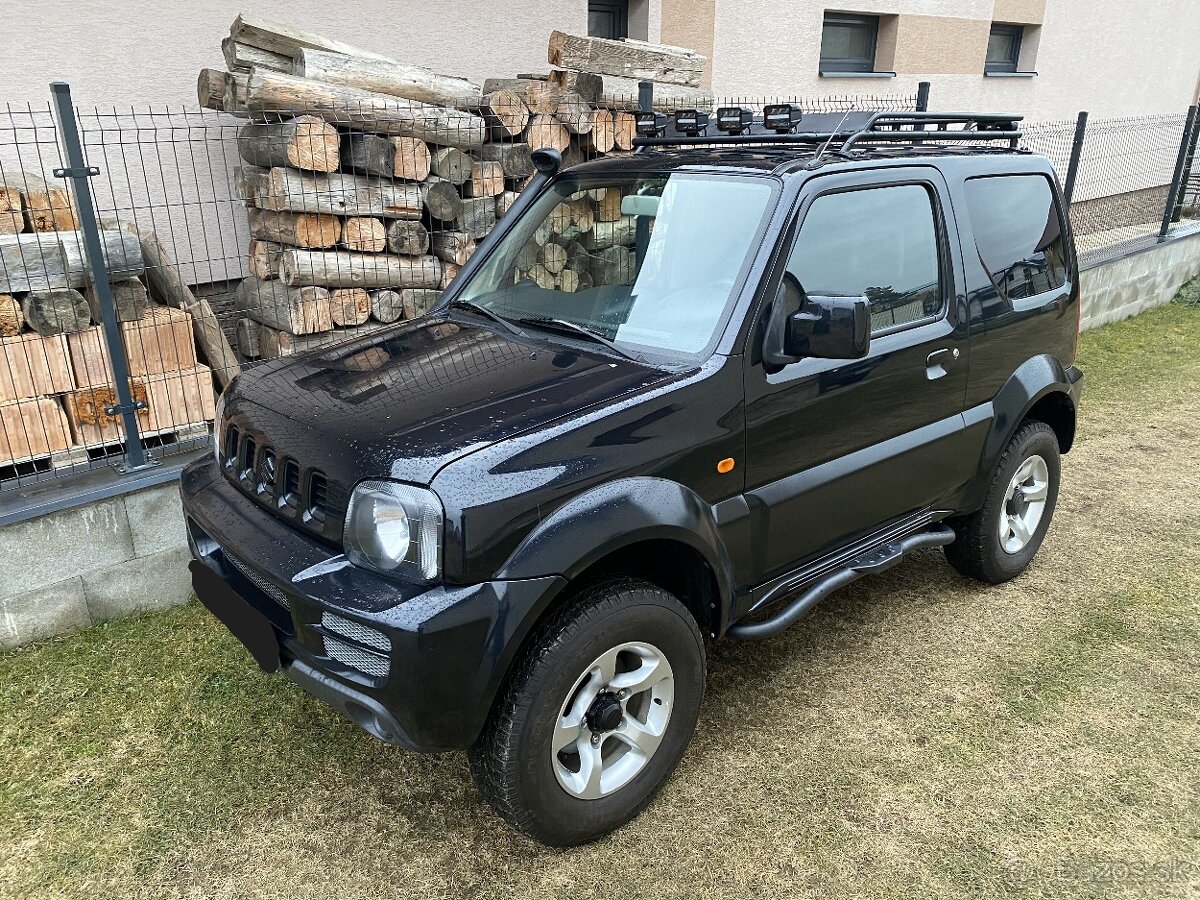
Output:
x=1110 y=57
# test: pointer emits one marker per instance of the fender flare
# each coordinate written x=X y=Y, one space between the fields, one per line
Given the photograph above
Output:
x=1034 y=379
x=618 y=514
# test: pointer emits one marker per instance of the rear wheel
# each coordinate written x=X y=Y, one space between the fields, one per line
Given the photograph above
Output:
x=597 y=715
x=998 y=542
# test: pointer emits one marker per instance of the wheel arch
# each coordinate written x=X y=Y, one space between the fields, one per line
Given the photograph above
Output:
x=650 y=528
x=1039 y=389
x=1056 y=409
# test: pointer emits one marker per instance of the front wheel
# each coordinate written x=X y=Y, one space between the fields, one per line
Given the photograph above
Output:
x=998 y=542
x=597 y=715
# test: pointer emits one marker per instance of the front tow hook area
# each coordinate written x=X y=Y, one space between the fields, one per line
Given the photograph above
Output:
x=880 y=559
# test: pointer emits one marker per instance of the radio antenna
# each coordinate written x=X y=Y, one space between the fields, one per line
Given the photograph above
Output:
x=816 y=160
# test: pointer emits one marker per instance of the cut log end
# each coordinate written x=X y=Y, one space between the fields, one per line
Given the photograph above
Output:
x=56 y=312
x=505 y=112
x=412 y=158
x=12 y=320
x=387 y=305
x=364 y=235
x=408 y=238
x=350 y=306
x=546 y=131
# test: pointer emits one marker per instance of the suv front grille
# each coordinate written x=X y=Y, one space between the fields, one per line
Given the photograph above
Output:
x=259 y=582
x=356 y=645
x=356 y=658
x=291 y=484
x=318 y=497
x=265 y=481
x=278 y=481
x=246 y=460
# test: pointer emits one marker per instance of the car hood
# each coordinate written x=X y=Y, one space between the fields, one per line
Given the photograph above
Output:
x=409 y=400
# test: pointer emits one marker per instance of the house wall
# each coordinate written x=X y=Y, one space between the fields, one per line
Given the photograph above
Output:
x=150 y=51
x=691 y=23
x=1110 y=57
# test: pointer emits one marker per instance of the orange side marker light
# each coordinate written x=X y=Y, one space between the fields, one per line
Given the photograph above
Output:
x=725 y=466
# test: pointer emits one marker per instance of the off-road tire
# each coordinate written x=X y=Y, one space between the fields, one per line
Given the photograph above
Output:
x=511 y=761
x=977 y=551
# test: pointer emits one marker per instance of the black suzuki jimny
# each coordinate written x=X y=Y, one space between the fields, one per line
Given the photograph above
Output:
x=781 y=361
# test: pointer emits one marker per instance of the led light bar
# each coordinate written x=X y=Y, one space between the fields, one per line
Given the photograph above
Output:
x=781 y=117
x=651 y=124
x=691 y=122
x=734 y=119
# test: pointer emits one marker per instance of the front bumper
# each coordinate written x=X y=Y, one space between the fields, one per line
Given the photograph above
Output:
x=414 y=666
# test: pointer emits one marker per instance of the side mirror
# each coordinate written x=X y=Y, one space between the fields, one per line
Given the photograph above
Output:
x=829 y=328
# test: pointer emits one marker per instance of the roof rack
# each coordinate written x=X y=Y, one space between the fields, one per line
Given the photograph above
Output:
x=889 y=127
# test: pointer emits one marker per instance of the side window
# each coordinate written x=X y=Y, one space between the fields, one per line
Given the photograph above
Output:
x=880 y=243
x=1018 y=232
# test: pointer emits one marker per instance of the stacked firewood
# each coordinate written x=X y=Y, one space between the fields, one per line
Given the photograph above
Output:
x=370 y=181
x=40 y=277
x=56 y=380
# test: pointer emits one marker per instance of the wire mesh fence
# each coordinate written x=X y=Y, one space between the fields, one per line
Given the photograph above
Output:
x=1125 y=170
x=230 y=240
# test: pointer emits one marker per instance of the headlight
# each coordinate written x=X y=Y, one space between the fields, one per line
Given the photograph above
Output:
x=396 y=529
x=218 y=422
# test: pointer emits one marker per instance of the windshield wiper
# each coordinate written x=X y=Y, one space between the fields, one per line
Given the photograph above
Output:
x=552 y=324
x=487 y=313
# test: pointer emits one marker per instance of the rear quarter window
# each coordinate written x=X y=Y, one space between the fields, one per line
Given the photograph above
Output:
x=1018 y=233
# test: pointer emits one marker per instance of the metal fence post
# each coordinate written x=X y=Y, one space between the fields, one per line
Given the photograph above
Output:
x=923 y=97
x=1176 y=180
x=77 y=173
x=1076 y=154
x=641 y=238
x=645 y=96
x=1188 y=163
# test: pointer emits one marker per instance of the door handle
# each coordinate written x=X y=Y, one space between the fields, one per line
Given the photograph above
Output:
x=936 y=362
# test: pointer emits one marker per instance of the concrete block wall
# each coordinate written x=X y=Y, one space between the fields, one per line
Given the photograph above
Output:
x=128 y=554
x=88 y=564
x=1141 y=281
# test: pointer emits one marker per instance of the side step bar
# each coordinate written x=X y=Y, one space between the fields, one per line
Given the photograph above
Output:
x=872 y=562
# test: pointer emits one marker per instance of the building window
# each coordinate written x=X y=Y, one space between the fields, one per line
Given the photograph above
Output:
x=848 y=43
x=608 y=19
x=1004 y=48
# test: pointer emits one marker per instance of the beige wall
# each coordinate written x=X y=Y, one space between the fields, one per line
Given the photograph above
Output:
x=691 y=23
x=149 y=51
x=1111 y=57
x=938 y=45
x=1019 y=12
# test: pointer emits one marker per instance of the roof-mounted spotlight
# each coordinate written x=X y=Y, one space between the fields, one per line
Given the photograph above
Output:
x=734 y=119
x=781 y=117
x=651 y=124
x=691 y=122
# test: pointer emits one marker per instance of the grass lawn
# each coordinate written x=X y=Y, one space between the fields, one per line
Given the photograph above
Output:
x=917 y=736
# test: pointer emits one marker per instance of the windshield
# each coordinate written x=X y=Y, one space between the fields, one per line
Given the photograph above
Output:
x=646 y=262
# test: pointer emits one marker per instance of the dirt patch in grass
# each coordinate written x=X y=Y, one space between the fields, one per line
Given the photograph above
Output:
x=919 y=735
